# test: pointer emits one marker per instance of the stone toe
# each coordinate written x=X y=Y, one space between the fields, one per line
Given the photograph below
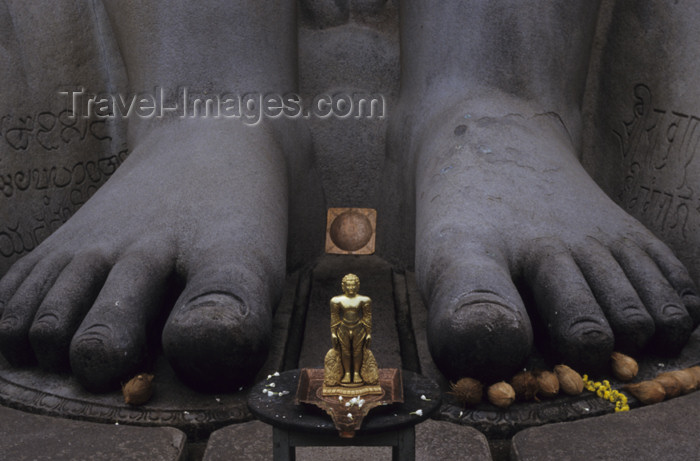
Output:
x=216 y=341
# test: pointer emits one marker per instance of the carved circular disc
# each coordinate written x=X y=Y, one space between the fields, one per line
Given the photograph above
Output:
x=351 y=231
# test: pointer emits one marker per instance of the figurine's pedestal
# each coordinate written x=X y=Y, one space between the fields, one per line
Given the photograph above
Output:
x=299 y=425
x=345 y=413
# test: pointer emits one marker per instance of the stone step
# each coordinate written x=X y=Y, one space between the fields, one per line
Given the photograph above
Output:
x=25 y=436
x=434 y=440
x=667 y=430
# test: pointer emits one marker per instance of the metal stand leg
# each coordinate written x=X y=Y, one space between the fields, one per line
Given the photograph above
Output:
x=403 y=443
x=405 y=449
x=281 y=450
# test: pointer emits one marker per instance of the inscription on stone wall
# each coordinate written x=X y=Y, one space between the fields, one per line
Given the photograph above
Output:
x=659 y=149
x=50 y=164
x=48 y=131
x=79 y=182
x=90 y=172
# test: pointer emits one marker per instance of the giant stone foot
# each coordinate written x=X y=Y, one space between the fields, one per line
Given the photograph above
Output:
x=504 y=200
x=199 y=207
x=201 y=201
x=503 y=205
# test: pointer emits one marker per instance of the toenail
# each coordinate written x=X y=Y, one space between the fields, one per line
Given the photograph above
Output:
x=9 y=322
x=633 y=311
x=588 y=329
x=690 y=297
x=488 y=310
x=673 y=310
x=100 y=334
x=218 y=306
x=47 y=320
x=484 y=298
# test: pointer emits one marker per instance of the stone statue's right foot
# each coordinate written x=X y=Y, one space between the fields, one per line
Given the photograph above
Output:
x=201 y=202
x=210 y=213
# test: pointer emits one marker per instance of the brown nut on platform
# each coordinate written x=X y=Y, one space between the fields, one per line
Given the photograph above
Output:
x=501 y=394
x=570 y=382
x=138 y=390
x=467 y=391
x=624 y=367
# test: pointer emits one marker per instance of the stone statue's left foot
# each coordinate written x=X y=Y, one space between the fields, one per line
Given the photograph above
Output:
x=503 y=203
x=506 y=202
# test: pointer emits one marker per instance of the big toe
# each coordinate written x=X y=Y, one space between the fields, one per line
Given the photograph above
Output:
x=216 y=340
x=478 y=325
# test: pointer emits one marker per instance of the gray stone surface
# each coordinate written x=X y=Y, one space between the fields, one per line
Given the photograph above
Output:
x=435 y=440
x=26 y=437
x=100 y=295
x=514 y=243
x=480 y=160
x=668 y=430
x=248 y=441
x=643 y=114
x=441 y=440
x=51 y=164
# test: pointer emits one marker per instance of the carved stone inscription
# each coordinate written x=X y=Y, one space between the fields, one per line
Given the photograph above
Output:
x=659 y=149
x=50 y=164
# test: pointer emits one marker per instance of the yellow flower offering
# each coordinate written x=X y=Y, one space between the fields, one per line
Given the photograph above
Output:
x=604 y=391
